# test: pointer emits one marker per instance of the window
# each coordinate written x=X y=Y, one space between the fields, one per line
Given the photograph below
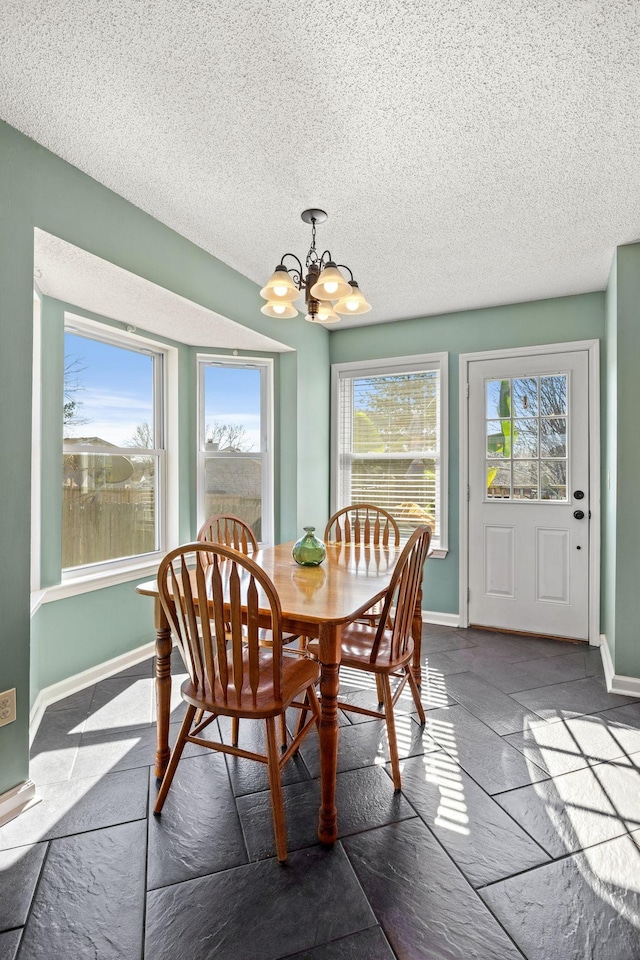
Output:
x=234 y=441
x=113 y=449
x=389 y=439
x=526 y=431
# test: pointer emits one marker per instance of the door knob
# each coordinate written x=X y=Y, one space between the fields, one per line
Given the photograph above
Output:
x=578 y=514
x=578 y=494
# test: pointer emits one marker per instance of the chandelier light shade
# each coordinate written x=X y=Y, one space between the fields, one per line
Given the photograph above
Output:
x=354 y=303
x=331 y=284
x=326 y=291
x=280 y=286
x=279 y=310
x=324 y=313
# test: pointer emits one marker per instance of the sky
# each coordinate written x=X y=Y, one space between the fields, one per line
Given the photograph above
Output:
x=115 y=392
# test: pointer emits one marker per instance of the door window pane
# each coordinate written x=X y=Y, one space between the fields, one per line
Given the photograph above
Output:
x=553 y=480
x=525 y=397
x=498 y=398
x=525 y=480
x=498 y=481
x=525 y=438
x=553 y=437
x=553 y=395
x=496 y=440
x=527 y=424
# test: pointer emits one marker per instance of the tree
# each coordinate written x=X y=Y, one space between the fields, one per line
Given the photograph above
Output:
x=227 y=436
x=142 y=437
x=403 y=409
x=71 y=416
x=366 y=438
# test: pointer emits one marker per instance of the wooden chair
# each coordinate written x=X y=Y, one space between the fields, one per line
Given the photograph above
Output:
x=363 y=523
x=234 y=532
x=386 y=649
x=230 y=674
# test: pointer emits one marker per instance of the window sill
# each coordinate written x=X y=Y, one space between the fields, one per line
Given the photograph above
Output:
x=437 y=553
x=95 y=581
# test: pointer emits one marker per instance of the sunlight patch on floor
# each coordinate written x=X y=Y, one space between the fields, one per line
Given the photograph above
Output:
x=443 y=771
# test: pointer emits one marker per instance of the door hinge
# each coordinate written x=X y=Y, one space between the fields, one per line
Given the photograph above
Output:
x=468 y=594
x=467 y=391
x=468 y=492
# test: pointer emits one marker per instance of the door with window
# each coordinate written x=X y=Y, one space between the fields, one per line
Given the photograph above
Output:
x=529 y=494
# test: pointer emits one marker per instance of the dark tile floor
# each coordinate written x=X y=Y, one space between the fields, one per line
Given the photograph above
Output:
x=517 y=832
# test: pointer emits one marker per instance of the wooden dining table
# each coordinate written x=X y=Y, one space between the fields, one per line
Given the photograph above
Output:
x=316 y=602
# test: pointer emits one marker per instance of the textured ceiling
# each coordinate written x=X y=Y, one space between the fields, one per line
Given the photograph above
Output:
x=75 y=276
x=469 y=152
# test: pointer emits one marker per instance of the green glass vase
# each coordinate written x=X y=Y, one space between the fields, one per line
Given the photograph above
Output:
x=308 y=551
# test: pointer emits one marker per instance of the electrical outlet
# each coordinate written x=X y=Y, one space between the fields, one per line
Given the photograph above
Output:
x=7 y=706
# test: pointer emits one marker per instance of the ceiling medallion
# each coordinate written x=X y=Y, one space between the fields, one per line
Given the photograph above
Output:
x=327 y=293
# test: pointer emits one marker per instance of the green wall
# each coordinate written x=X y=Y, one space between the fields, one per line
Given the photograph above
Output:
x=523 y=324
x=38 y=189
x=622 y=464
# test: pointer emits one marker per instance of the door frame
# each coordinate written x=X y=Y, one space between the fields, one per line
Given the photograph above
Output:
x=593 y=349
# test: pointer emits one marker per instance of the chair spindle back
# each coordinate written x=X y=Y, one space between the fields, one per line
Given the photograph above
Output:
x=220 y=654
x=362 y=523
x=230 y=530
x=400 y=600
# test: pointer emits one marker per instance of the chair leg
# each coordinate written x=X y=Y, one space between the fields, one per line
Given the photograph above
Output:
x=235 y=730
x=379 y=688
x=416 y=694
x=174 y=759
x=283 y=731
x=198 y=717
x=277 y=808
x=314 y=702
x=303 y=715
x=391 y=730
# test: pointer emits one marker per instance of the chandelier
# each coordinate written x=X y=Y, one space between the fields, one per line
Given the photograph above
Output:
x=326 y=291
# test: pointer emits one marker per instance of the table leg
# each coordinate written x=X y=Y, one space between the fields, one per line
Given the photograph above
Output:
x=163 y=687
x=416 y=633
x=329 y=682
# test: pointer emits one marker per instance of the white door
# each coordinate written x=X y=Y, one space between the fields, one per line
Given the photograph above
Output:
x=529 y=494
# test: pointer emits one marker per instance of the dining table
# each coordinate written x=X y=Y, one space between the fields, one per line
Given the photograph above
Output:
x=317 y=602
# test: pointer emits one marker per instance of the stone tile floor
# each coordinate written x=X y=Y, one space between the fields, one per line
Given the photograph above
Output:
x=517 y=832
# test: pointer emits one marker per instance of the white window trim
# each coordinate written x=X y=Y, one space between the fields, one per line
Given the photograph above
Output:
x=267 y=437
x=391 y=365
x=36 y=440
x=97 y=576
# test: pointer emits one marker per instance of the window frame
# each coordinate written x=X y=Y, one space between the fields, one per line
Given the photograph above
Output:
x=265 y=454
x=389 y=366
x=120 y=569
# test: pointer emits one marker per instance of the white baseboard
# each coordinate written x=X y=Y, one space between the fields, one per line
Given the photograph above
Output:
x=444 y=619
x=617 y=683
x=17 y=800
x=64 y=688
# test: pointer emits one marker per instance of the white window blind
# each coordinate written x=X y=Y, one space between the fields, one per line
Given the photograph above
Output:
x=389 y=441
